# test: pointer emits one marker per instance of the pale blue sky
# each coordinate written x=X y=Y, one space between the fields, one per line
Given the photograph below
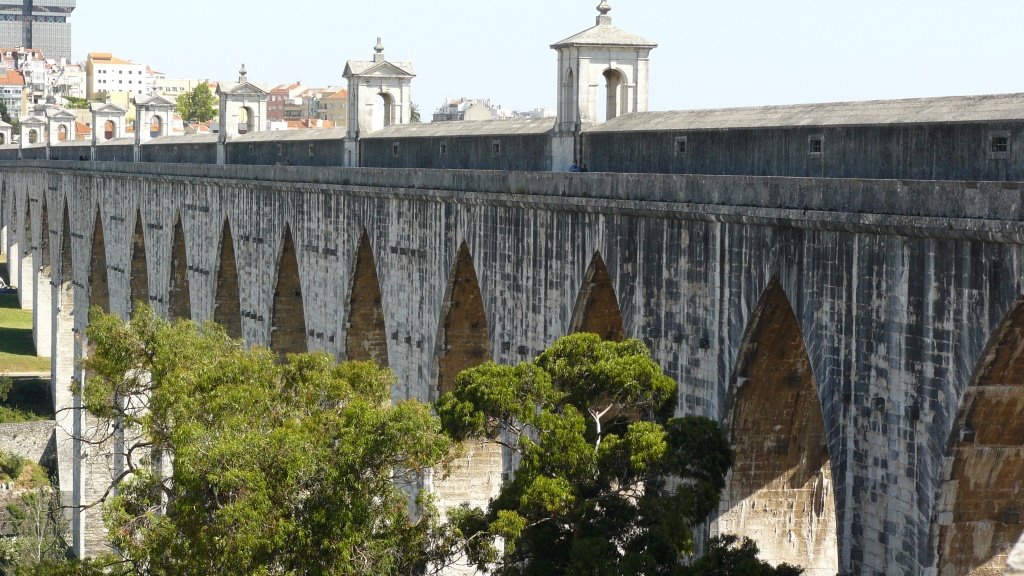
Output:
x=711 y=54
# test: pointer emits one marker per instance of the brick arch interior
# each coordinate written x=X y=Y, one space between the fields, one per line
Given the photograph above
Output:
x=179 y=293
x=99 y=287
x=597 y=307
x=139 y=282
x=780 y=491
x=367 y=335
x=227 y=301
x=464 y=342
x=288 y=328
x=981 y=500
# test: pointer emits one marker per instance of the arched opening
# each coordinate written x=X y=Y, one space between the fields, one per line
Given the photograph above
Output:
x=26 y=285
x=383 y=110
x=3 y=138
x=367 y=336
x=597 y=307
x=179 y=294
x=615 y=94
x=139 y=280
x=981 y=500
x=227 y=303
x=42 y=305
x=99 y=288
x=464 y=342
x=33 y=136
x=569 y=88
x=108 y=130
x=62 y=363
x=245 y=120
x=780 y=491
x=62 y=133
x=288 y=330
x=156 y=126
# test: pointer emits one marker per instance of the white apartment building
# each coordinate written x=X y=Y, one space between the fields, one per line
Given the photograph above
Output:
x=114 y=76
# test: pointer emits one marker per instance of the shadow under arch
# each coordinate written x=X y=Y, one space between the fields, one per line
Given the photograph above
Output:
x=179 y=294
x=980 y=503
x=464 y=342
x=288 y=317
x=780 y=491
x=597 y=307
x=366 y=337
x=42 y=304
x=99 y=285
x=227 y=300
x=139 y=280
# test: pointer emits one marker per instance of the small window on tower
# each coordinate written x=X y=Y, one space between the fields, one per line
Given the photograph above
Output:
x=394 y=149
x=1000 y=144
x=815 y=146
x=312 y=151
x=495 y=147
x=443 y=149
x=680 y=146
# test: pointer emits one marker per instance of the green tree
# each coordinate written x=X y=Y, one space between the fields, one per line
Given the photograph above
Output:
x=77 y=103
x=609 y=482
x=198 y=104
x=291 y=467
x=38 y=524
x=728 y=556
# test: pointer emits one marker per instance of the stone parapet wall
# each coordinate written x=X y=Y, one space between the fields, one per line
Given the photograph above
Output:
x=30 y=440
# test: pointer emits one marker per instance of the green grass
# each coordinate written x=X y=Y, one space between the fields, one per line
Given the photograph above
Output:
x=17 y=351
x=29 y=400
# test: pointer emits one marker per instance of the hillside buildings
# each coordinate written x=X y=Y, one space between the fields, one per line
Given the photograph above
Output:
x=41 y=24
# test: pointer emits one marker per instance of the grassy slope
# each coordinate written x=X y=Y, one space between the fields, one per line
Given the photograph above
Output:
x=17 y=352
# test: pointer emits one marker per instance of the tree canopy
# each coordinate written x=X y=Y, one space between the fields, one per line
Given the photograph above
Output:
x=198 y=104
x=608 y=483
x=278 y=468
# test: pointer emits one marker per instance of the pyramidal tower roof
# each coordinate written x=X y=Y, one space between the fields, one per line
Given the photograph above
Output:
x=604 y=34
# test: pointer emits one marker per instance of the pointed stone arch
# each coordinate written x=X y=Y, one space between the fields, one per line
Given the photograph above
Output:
x=63 y=354
x=227 y=309
x=367 y=334
x=99 y=285
x=139 y=280
x=597 y=307
x=288 y=329
x=465 y=341
x=980 y=504
x=26 y=270
x=780 y=491
x=179 y=294
x=42 y=304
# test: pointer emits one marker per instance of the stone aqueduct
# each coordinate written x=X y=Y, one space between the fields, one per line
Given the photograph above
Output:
x=861 y=340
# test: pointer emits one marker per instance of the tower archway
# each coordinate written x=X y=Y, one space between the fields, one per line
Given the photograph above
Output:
x=979 y=508
x=780 y=491
x=367 y=335
x=288 y=329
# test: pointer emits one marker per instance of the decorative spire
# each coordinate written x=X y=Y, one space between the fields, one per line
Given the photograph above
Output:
x=241 y=74
x=604 y=8
x=379 y=48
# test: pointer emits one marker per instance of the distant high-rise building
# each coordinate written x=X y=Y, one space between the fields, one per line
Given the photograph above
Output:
x=41 y=24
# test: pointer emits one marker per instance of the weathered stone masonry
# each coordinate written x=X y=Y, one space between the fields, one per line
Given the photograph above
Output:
x=896 y=289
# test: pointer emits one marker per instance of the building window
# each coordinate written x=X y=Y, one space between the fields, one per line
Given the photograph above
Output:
x=495 y=147
x=815 y=146
x=999 y=145
x=312 y=151
x=394 y=149
x=680 y=146
x=443 y=149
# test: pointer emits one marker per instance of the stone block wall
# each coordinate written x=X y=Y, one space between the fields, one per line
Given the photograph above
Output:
x=896 y=287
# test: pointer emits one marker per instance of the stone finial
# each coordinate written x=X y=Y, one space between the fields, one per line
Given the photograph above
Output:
x=379 y=48
x=241 y=74
x=604 y=8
